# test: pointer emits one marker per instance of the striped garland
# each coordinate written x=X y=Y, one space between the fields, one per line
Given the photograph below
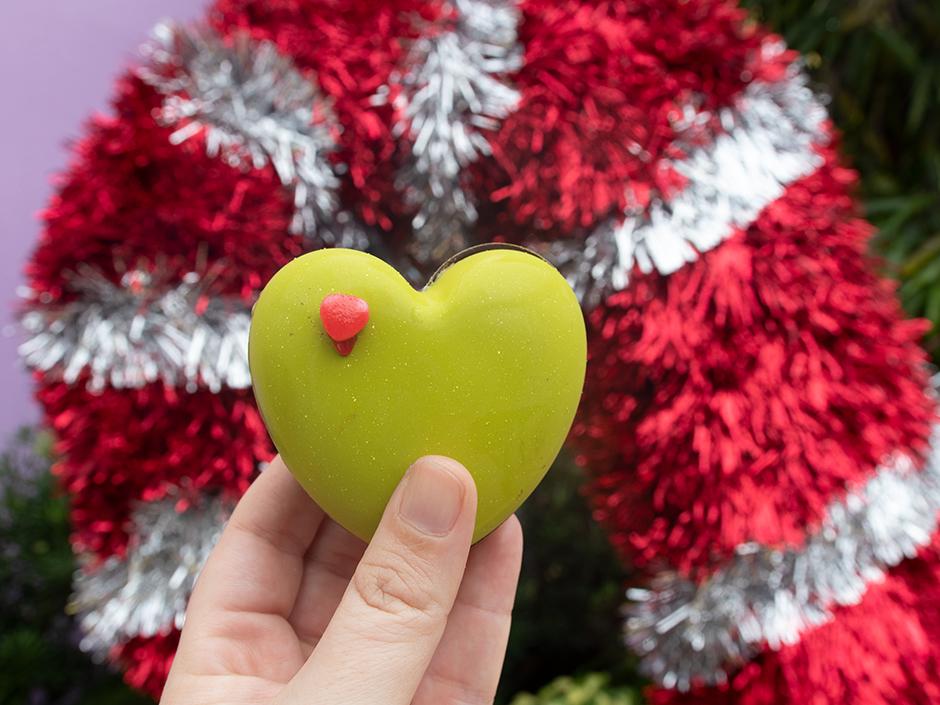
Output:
x=768 y=141
x=689 y=633
x=255 y=109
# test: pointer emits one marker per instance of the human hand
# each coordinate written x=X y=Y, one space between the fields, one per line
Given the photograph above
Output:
x=291 y=609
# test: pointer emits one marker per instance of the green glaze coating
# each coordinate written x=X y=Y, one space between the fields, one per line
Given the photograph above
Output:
x=485 y=365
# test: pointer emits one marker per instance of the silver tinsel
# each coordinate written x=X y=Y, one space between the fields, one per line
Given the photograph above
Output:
x=453 y=89
x=146 y=593
x=591 y=265
x=686 y=631
x=766 y=143
x=141 y=331
x=254 y=108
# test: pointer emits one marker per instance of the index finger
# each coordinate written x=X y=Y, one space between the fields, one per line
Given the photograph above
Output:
x=390 y=620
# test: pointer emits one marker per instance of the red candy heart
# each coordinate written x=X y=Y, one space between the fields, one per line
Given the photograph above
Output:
x=343 y=317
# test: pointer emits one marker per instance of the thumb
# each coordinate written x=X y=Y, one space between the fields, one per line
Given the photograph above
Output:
x=392 y=616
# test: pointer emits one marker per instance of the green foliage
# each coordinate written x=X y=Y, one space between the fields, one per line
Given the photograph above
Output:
x=591 y=689
x=40 y=663
x=567 y=614
x=879 y=60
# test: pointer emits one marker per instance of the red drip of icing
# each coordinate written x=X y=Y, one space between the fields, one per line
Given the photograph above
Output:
x=344 y=347
x=343 y=318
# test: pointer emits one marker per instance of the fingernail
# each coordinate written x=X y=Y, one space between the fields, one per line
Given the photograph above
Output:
x=432 y=496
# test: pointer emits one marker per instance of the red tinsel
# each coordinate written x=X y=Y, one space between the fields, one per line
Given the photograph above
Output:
x=602 y=86
x=121 y=446
x=883 y=650
x=733 y=400
x=147 y=661
x=132 y=199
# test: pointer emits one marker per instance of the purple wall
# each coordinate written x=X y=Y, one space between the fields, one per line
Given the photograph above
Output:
x=57 y=62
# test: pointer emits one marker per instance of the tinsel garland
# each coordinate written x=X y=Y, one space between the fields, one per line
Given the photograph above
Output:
x=731 y=401
x=140 y=331
x=881 y=650
x=767 y=142
x=144 y=592
x=253 y=108
x=122 y=447
x=453 y=91
x=755 y=149
x=768 y=597
x=133 y=200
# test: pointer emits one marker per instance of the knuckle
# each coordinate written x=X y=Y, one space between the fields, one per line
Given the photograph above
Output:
x=399 y=586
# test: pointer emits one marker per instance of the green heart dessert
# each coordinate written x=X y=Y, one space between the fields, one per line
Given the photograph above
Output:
x=357 y=375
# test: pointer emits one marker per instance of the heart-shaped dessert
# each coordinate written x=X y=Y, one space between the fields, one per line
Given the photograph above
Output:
x=484 y=365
